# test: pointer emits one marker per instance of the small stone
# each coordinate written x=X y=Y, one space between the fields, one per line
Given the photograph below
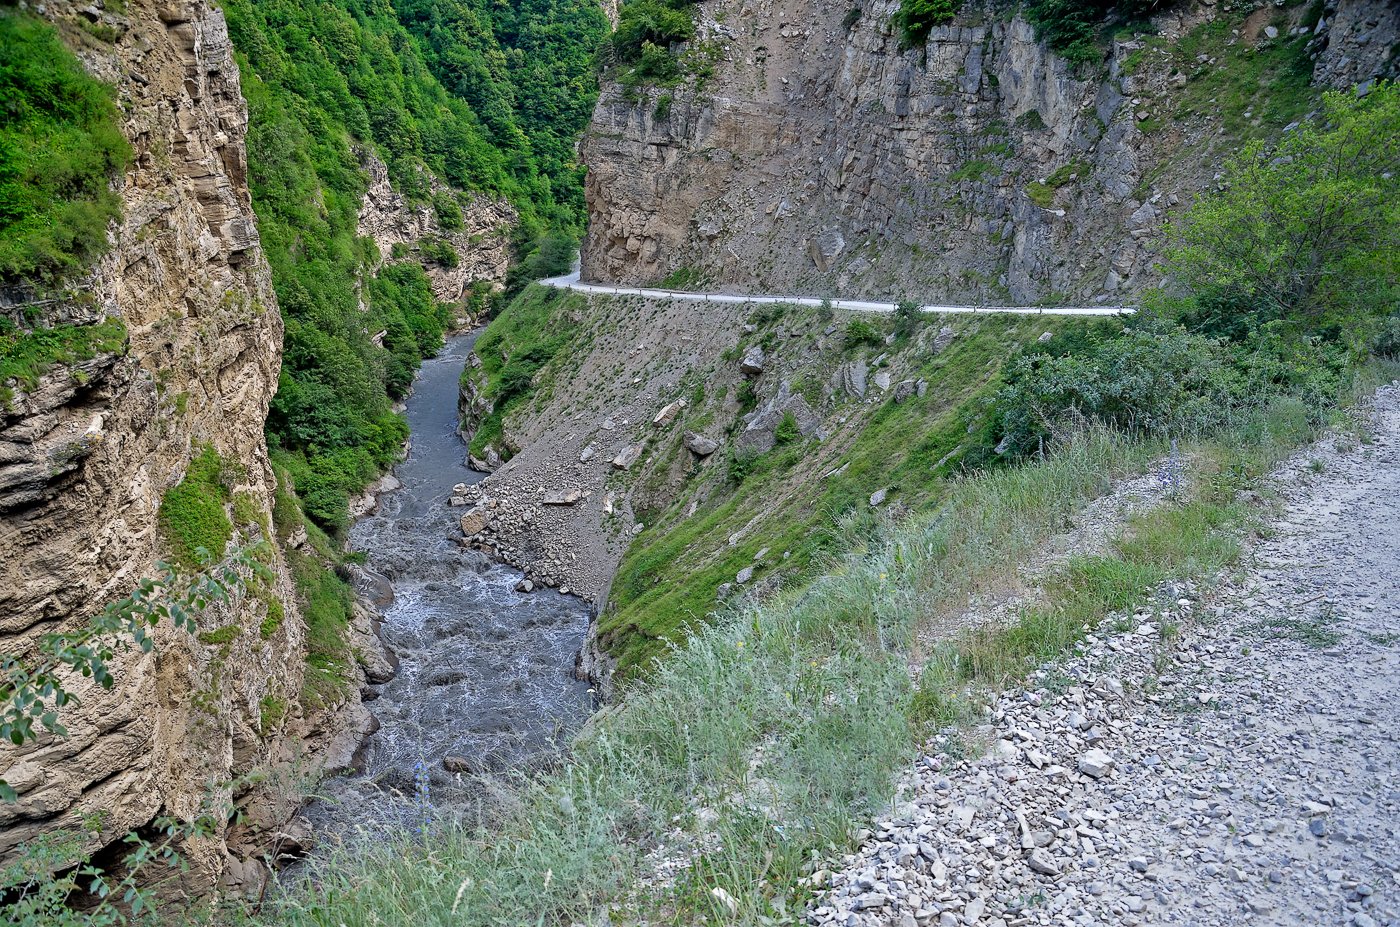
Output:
x=1095 y=764
x=877 y=497
x=743 y=575
x=1042 y=862
x=1317 y=827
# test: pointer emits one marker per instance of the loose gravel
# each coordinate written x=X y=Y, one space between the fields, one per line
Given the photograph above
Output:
x=1217 y=758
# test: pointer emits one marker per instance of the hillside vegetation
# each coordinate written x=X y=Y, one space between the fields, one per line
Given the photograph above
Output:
x=429 y=89
x=754 y=750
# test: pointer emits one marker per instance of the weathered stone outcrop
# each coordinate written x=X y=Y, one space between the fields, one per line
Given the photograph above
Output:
x=482 y=244
x=1357 y=41
x=87 y=455
x=820 y=158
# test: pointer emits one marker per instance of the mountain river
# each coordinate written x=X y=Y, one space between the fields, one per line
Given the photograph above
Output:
x=485 y=674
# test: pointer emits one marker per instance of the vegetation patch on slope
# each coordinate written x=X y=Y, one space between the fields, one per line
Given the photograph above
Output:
x=516 y=347
x=192 y=515
x=26 y=355
x=668 y=579
x=60 y=148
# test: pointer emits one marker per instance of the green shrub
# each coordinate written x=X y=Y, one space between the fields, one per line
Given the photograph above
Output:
x=1308 y=229
x=27 y=355
x=449 y=214
x=60 y=147
x=192 y=515
x=1031 y=119
x=1071 y=27
x=654 y=23
x=1156 y=378
x=742 y=462
x=860 y=332
x=916 y=19
x=908 y=315
x=786 y=431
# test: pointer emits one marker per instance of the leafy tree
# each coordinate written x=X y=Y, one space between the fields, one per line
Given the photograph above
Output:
x=1307 y=229
x=908 y=314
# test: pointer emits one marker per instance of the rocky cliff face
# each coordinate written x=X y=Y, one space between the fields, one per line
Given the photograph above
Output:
x=482 y=244
x=86 y=457
x=813 y=155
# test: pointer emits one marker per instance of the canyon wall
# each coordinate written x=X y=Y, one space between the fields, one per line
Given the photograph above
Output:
x=482 y=244
x=806 y=152
x=88 y=454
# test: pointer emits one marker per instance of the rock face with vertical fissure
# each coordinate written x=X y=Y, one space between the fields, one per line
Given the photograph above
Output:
x=821 y=158
x=87 y=454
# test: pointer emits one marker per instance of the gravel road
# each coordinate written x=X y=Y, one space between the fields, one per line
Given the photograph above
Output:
x=1246 y=771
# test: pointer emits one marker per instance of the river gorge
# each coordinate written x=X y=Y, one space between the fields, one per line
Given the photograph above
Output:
x=484 y=673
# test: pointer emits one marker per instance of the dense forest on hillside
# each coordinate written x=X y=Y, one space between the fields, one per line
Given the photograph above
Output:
x=326 y=79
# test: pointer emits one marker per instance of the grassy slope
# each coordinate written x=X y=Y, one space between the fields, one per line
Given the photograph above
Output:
x=669 y=575
x=760 y=745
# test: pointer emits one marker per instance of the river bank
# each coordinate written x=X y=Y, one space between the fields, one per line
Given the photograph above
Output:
x=482 y=676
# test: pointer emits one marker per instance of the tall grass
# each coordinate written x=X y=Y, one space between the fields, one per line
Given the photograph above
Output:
x=752 y=751
x=755 y=750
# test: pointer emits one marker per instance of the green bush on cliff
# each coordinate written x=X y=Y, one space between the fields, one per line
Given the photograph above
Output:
x=192 y=515
x=1071 y=27
x=60 y=146
x=25 y=355
x=916 y=19
x=651 y=22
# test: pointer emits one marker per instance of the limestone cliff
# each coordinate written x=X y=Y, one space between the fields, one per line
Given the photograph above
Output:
x=87 y=456
x=808 y=153
x=482 y=244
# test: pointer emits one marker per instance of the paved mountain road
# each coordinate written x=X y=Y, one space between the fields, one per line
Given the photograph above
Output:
x=572 y=282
